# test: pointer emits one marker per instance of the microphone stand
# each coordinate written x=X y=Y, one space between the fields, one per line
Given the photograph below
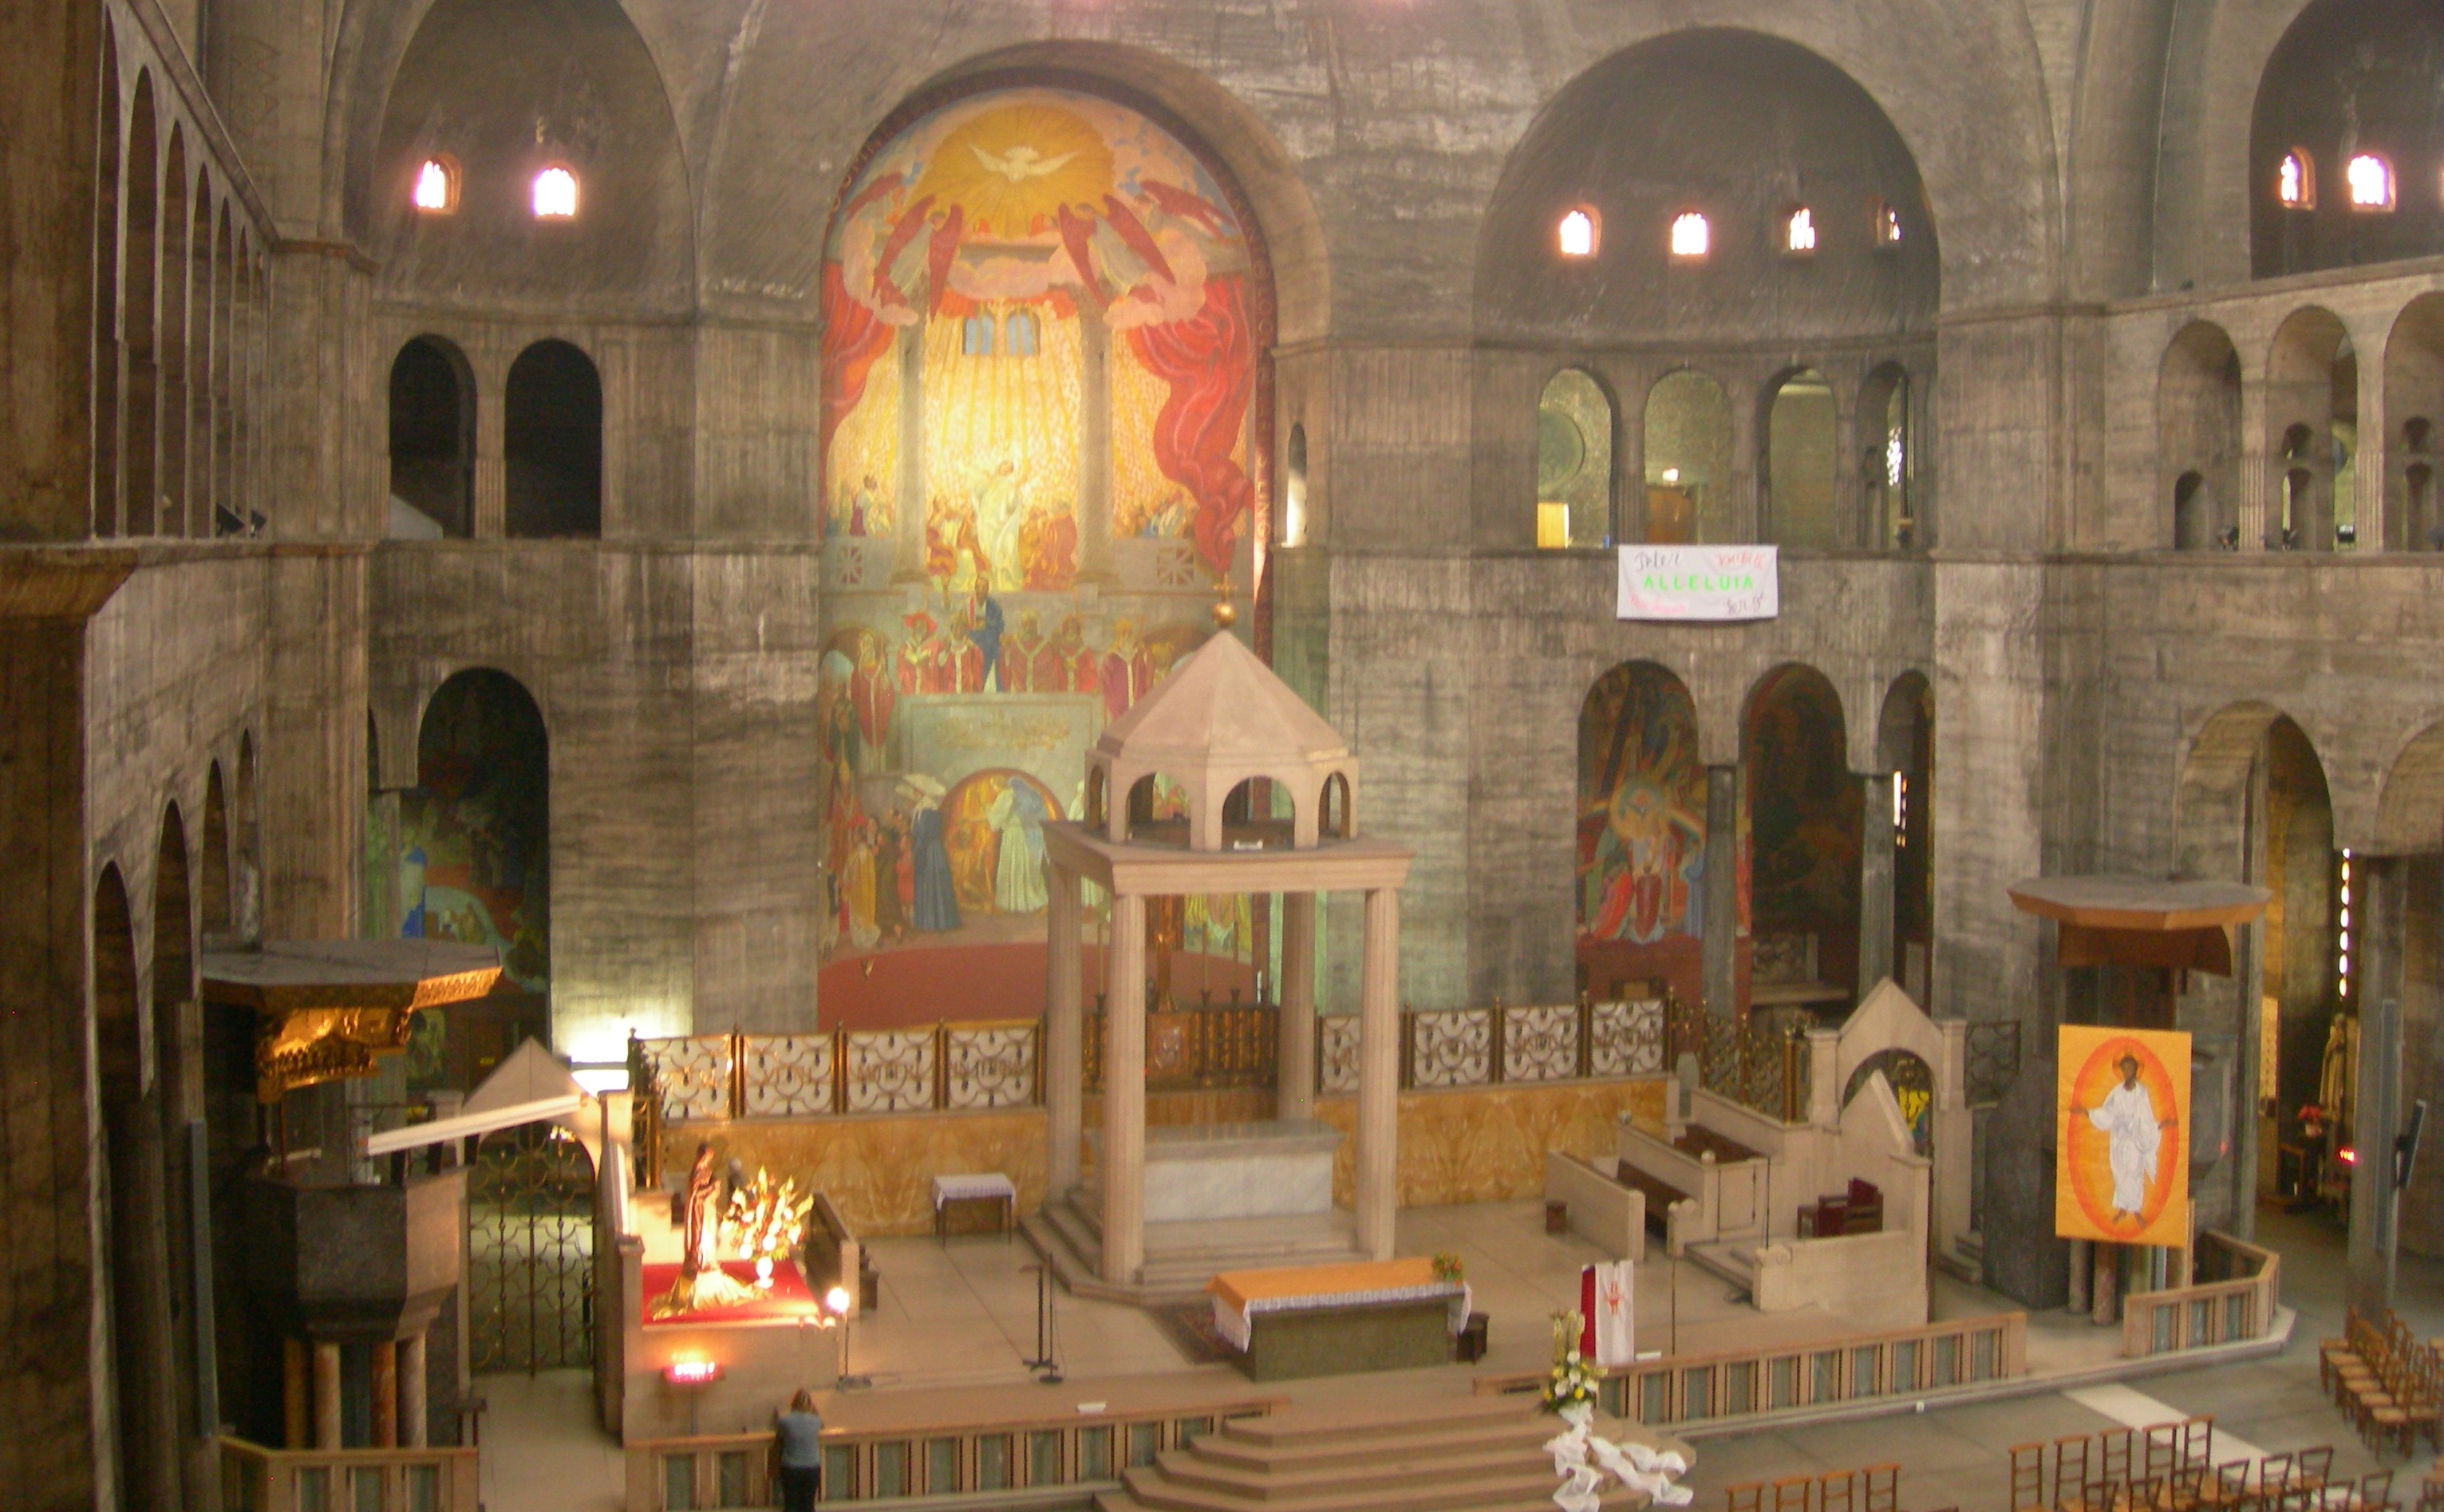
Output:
x=1047 y=1363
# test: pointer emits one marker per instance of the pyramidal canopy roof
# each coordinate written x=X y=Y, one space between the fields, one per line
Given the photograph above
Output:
x=1221 y=705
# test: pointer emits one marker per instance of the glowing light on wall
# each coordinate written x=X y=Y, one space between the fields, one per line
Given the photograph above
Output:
x=1691 y=235
x=1888 y=224
x=2371 y=182
x=1799 y=232
x=436 y=187
x=1576 y=233
x=692 y=1371
x=555 y=193
x=2343 y=933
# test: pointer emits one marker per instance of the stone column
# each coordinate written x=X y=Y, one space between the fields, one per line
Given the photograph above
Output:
x=326 y=1394
x=487 y=511
x=1295 y=1096
x=414 y=1430
x=1721 y=943
x=1123 y=1151
x=296 y=1396
x=1061 y=1069
x=2257 y=481
x=1378 y=1075
x=382 y=1379
x=1876 y=882
x=2377 y=1096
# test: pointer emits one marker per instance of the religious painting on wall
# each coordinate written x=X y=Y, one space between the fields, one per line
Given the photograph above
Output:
x=1044 y=315
x=473 y=835
x=2121 y=1165
x=1641 y=809
x=1804 y=813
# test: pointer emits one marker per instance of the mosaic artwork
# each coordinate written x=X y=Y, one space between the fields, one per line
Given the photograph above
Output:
x=1641 y=810
x=1043 y=316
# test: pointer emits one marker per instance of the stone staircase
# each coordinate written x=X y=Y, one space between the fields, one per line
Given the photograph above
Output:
x=1181 y=1257
x=1733 y=1260
x=1481 y=1454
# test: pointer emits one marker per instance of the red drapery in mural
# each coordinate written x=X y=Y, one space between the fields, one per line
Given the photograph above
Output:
x=854 y=336
x=1205 y=361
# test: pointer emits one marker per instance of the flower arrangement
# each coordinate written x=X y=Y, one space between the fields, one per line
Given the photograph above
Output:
x=766 y=1222
x=1572 y=1389
x=1447 y=1267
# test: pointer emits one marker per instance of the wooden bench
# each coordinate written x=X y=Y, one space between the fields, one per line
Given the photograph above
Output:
x=1659 y=1194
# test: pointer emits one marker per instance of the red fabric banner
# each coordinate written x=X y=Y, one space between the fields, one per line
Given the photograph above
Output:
x=1205 y=361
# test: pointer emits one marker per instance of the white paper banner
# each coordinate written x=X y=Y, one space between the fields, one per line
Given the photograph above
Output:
x=1700 y=583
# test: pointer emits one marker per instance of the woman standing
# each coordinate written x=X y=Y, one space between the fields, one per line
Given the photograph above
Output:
x=798 y=1437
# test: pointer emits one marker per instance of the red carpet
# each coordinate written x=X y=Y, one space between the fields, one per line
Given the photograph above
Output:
x=898 y=989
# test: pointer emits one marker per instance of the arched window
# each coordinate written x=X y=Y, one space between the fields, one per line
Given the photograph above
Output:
x=1578 y=232
x=2193 y=513
x=2421 y=530
x=2370 y=178
x=436 y=192
x=2295 y=180
x=977 y=335
x=1887 y=464
x=1574 y=435
x=1335 y=820
x=1019 y=333
x=432 y=442
x=1692 y=237
x=555 y=193
x=1799 y=462
x=552 y=442
x=1294 y=487
x=1799 y=231
x=1688 y=449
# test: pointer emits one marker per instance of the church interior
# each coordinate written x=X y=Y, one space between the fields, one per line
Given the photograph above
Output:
x=1205 y=754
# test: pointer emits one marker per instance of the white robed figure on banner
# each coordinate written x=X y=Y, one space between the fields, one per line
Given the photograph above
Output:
x=2132 y=1136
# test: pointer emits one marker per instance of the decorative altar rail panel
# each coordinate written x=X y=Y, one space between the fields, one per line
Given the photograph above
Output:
x=1336 y=1053
x=254 y=1478
x=1759 y=1063
x=788 y=1075
x=889 y=1070
x=1690 y=1388
x=988 y=1065
x=1543 y=1044
x=1452 y=1049
x=1020 y=1453
x=2234 y=1298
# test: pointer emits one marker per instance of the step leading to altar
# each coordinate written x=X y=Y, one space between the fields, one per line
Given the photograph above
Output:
x=1266 y=1169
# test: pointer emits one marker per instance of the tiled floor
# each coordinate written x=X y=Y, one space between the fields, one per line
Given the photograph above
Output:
x=965 y=1314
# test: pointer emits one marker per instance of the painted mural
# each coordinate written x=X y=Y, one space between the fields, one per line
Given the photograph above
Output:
x=473 y=835
x=1044 y=315
x=1641 y=810
x=1804 y=809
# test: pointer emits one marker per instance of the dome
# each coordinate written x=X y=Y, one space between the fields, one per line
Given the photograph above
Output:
x=1220 y=719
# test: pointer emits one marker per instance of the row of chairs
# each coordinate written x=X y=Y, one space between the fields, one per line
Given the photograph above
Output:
x=1876 y=1488
x=2166 y=1463
x=2389 y=1383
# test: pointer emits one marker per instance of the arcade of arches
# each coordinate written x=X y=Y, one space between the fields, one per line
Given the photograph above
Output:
x=665 y=498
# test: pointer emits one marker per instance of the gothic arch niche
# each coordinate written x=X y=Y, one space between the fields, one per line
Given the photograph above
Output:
x=2410 y=824
x=1802 y=819
x=433 y=441
x=1913 y=1084
x=139 y=295
x=1686 y=451
x=110 y=173
x=214 y=904
x=1889 y=470
x=1905 y=747
x=2197 y=436
x=1640 y=853
x=551 y=439
x=1576 y=421
x=175 y=1096
x=2413 y=404
x=1047 y=315
x=2349 y=77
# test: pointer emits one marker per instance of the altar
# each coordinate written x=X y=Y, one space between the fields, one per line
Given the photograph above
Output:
x=1268 y=1169
x=1295 y=1321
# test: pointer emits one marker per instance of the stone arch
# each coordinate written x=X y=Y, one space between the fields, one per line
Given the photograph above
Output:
x=551 y=443
x=2348 y=76
x=2310 y=383
x=213 y=893
x=110 y=173
x=2410 y=806
x=1578 y=431
x=432 y=440
x=1803 y=815
x=1690 y=492
x=484 y=755
x=2197 y=437
x=1639 y=828
x=140 y=329
x=1799 y=460
x=1891 y=470
x=2413 y=407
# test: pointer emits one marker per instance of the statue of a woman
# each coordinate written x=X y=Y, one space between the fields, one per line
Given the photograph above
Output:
x=701 y=1280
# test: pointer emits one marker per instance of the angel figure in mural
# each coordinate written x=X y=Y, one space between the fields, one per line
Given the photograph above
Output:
x=701 y=1282
x=2133 y=1135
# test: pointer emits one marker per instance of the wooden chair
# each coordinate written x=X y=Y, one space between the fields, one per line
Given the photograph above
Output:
x=2197 y=1443
x=2273 y=1474
x=2071 y=1473
x=2027 y=1477
x=2160 y=1454
x=1882 y=1484
x=2113 y=1448
x=1794 y=1493
x=2232 y=1491
x=1837 y=1491
x=2188 y=1488
x=2314 y=1467
x=1747 y=1497
x=2375 y=1492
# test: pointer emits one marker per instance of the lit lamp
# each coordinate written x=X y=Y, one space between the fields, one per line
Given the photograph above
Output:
x=691 y=1376
x=1552 y=526
x=837 y=1301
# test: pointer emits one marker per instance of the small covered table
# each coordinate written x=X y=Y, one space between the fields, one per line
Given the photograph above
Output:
x=1303 y=1320
x=990 y=1189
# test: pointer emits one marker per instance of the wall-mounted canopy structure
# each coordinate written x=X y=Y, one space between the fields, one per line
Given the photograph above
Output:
x=2116 y=920
x=324 y=1008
